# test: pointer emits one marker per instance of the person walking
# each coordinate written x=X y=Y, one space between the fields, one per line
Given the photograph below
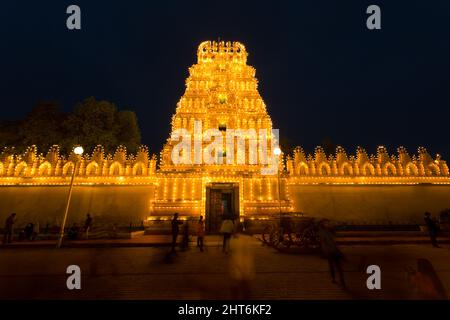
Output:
x=331 y=251
x=28 y=231
x=8 y=232
x=433 y=229
x=36 y=231
x=72 y=234
x=241 y=267
x=227 y=229
x=47 y=228
x=175 y=230
x=87 y=225
x=425 y=281
x=200 y=233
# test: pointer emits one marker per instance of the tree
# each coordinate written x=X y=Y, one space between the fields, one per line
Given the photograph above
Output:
x=9 y=133
x=41 y=126
x=96 y=122
x=92 y=122
x=127 y=130
x=329 y=146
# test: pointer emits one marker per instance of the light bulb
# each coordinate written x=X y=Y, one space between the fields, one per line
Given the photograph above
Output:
x=78 y=150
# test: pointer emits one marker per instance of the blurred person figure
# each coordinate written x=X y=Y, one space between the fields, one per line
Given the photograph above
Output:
x=28 y=231
x=331 y=251
x=72 y=234
x=36 y=231
x=200 y=233
x=87 y=225
x=47 y=228
x=242 y=269
x=433 y=229
x=227 y=229
x=8 y=231
x=426 y=282
x=175 y=230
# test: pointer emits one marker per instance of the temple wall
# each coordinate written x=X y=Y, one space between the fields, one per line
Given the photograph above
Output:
x=107 y=204
x=376 y=204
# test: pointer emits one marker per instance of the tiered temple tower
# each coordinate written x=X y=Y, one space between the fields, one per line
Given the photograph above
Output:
x=222 y=97
x=221 y=94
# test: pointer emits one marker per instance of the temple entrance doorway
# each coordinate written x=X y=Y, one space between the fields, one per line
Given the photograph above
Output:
x=222 y=200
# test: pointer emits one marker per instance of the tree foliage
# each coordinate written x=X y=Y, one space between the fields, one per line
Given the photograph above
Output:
x=92 y=122
x=41 y=126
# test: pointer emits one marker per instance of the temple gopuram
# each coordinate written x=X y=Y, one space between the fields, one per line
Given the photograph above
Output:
x=216 y=161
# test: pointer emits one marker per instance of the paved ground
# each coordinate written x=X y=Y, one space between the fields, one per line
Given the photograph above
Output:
x=145 y=273
x=343 y=238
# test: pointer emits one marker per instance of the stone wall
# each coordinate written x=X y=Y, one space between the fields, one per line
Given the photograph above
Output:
x=377 y=204
x=107 y=204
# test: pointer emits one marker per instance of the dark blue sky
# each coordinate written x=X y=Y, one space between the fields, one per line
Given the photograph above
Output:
x=322 y=73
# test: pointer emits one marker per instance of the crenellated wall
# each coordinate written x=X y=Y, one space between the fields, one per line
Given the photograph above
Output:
x=31 y=164
x=380 y=165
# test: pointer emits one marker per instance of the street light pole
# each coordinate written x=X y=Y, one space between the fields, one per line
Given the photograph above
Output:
x=78 y=151
x=279 y=193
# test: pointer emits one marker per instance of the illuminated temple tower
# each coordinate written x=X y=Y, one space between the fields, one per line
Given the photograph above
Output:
x=222 y=95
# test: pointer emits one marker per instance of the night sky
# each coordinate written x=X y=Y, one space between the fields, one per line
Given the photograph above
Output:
x=321 y=72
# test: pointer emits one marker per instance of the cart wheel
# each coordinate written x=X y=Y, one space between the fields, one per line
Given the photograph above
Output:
x=275 y=238
x=281 y=241
x=288 y=240
x=310 y=240
x=266 y=235
x=297 y=239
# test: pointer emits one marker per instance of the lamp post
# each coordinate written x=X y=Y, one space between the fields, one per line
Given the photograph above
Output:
x=78 y=151
x=277 y=152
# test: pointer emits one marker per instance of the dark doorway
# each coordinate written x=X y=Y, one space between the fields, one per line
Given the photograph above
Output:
x=221 y=200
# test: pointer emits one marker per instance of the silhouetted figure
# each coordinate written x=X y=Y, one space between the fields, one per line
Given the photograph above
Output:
x=242 y=267
x=29 y=231
x=432 y=229
x=200 y=233
x=9 y=224
x=47 y=228
x=72 y=234
x=87 y=225
x=175 y=230
x=36 y=231
x=331 y=251
x=227 y=229
x=426 y=282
